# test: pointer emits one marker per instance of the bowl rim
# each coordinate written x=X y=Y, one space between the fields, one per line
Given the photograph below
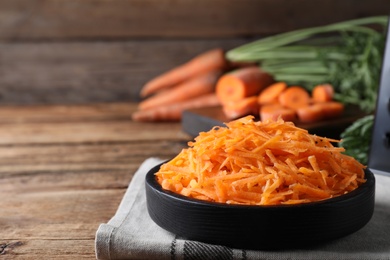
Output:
x=152 y=182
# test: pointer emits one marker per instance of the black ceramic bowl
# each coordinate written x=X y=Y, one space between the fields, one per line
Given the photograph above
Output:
x=260 y=227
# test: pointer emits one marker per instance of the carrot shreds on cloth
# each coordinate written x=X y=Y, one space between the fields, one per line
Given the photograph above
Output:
x=261 y=163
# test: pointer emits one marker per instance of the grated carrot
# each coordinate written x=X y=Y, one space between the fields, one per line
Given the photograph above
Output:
x=261 y=163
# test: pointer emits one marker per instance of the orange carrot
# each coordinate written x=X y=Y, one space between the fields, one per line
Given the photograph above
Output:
x=211 y=60
x=310 y=114
x=242 y=83
x=173 y=112
x=294 y=97
x=332 y=109
x=274 y=111
x=246 y=106
x=271 y=93
x=323 y=93
x=194 y=87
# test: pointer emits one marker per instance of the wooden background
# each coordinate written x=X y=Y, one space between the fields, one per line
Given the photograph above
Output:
x=83 y=51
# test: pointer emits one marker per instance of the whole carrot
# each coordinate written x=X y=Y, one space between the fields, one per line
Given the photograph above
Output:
x=194 y=87
x=211 y=60
x=242 y=83
x=173 y=112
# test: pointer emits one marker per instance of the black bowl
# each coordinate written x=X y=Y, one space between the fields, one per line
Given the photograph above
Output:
x=260 y=227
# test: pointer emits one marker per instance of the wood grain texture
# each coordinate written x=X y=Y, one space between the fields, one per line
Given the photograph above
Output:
x=83 y=51
x=85 y=72
x=56 y=188
x=47 y=249
x=97 y=19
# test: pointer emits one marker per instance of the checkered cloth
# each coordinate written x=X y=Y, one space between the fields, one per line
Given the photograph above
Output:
x=131 y=234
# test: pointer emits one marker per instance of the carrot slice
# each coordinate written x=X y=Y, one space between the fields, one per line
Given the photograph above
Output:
x=246 y=106
x=294 y=97
x=320 y=111
x=274 y=111
x=173 y=112
x=332 y=109
x=242 y=83
x=194 y=87
x=271 y=93
x=323 y=93
x=208 y=61
x=310 y=114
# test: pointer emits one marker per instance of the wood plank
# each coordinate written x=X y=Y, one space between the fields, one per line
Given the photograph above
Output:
x=50 y=231
x=102 y=154
x=47 y=249
x=83 y=166
x=45 y=218
x=58 y=113
x=26 y=125
x=67 y=206
x=41 y=133
x=62 y=180
x=90 y=72
x=78 y=157
x=97 y=19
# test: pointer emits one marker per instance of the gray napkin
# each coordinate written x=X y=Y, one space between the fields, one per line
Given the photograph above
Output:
x=131 y=234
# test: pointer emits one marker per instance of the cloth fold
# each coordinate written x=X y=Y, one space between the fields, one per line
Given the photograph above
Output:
x=131 y=234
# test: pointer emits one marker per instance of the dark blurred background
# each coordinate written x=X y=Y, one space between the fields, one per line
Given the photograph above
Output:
x=87 y=51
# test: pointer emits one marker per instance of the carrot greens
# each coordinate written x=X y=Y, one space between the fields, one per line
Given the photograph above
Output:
x=356 y=139
x=347 y=55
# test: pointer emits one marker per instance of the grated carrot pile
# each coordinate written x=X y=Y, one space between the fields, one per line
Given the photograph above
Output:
x=261 y=163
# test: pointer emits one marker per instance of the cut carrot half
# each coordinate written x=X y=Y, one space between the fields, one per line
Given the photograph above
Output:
x=242 y=83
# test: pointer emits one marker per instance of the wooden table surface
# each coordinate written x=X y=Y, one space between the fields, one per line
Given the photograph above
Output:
x=64 y=170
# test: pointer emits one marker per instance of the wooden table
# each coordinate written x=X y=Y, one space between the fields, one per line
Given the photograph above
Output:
x=64 y=170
